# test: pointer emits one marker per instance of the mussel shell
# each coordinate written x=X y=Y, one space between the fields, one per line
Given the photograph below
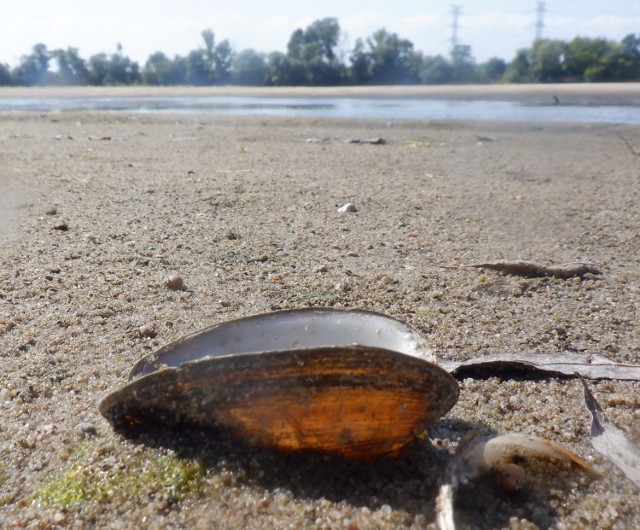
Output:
x=355 y=383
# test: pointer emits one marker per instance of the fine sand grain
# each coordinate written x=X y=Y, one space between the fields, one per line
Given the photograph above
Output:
x=99 y=209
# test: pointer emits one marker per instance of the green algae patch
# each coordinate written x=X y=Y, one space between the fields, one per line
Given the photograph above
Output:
x=85 y=480
x=415 y=144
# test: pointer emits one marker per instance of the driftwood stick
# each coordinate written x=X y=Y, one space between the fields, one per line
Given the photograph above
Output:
x=528 y=268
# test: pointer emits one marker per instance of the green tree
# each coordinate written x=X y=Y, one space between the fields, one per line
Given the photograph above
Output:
x=311 y=57
x=201 y=62
x=630 y=49
x=223 y=61
x=98 y=68
x=324 y=35
x=295 y=44
x=628 y=57
x=519 y=69
x=156 y=68
x=209 y=65
x=72 y=69
x=248 y=68
x=282 y=71
x=390 y=59
x=587 y=59
x=160 y=70
x=114 y=69
x=436 y=70
x=360 y=71
x=6 y=79
x=546 y=60
x=463 y=64
x=491 y=71
x=198 y=69
x=33 y=67
x=122 y=70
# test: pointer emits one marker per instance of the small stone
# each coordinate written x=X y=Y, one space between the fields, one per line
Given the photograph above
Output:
x=62 y=226
x=49 y=428
x=52 y=210
x=174 y=282
x=343 y=286
x=87 y=428
x=349 y=207
x=147 y=331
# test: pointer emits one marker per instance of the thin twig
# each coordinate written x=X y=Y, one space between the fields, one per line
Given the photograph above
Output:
x=631 y=148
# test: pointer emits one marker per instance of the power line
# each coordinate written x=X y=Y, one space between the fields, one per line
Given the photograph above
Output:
x=540 y=9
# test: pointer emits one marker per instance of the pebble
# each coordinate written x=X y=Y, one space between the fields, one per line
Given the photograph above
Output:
x=49 y=428
x=349 y=207
x=62 y=226
x=87 y=428
x=147 y=331
x=174 y=282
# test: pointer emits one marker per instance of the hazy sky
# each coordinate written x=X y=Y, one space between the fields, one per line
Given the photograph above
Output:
x=490 y=27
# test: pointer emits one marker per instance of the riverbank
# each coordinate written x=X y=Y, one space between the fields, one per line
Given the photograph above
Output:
x=100 y=208
x=582 y=93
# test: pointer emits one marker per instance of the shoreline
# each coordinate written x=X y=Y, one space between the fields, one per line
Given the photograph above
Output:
x=600 y=93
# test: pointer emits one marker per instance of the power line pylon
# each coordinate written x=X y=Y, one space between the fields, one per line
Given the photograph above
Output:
x=455 y=10
x=540 y=9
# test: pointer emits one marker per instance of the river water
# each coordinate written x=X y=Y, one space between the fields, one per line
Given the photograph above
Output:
x=327 y=107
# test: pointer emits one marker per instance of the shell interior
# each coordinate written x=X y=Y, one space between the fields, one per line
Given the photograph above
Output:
x=354 y=383
x=299 y=329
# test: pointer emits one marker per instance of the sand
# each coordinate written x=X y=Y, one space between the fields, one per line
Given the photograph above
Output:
x=245 y=210
x=567 y=93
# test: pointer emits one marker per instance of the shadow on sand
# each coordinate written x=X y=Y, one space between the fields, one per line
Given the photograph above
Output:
x=408 y=482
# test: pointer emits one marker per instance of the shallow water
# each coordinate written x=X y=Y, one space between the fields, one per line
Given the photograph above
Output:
x=374 y=108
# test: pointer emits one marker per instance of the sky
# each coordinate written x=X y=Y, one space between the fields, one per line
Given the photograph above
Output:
x=493 y=28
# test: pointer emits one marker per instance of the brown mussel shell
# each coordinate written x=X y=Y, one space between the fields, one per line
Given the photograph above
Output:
x=353 y=383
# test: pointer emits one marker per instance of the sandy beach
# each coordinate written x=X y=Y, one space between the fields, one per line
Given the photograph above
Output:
x=99 y=209
x=567 y=93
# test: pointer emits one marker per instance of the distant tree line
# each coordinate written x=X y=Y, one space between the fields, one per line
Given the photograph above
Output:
x=315 y=57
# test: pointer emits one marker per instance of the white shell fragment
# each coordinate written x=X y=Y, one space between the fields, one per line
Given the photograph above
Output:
x=444 y=507
x=348 y=208
x=478 y=454
x=610 y=441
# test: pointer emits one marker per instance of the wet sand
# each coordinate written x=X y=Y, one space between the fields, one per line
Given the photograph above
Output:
x=245 y=209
